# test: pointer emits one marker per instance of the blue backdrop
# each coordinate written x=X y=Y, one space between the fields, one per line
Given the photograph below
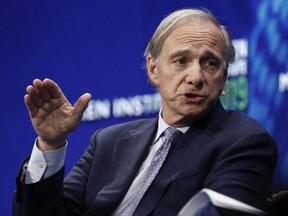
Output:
x=97 y=47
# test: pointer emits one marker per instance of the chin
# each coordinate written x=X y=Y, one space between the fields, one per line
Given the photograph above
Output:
x=196 y=112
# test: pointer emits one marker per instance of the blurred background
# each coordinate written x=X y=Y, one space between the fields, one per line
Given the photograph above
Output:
x=97 y=47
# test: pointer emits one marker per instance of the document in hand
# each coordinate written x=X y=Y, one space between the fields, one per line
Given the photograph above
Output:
x=205 y=196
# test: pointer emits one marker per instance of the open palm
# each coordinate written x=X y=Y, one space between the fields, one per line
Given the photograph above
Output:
x=52 y=116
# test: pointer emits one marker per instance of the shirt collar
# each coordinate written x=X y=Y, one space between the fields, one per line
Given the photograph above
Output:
x=162 y=126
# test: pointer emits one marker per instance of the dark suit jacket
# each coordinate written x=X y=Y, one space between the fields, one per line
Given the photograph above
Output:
x=224 y=151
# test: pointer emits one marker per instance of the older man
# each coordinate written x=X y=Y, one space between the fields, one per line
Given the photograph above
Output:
x=153 y=166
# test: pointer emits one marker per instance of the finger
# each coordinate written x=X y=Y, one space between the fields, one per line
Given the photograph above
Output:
x=81 y=105
x=280 y=195
x=42 y=90
x=31 y=107
x=53 y=89
x=34 y=96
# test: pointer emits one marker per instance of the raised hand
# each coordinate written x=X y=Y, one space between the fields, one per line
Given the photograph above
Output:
x=52 y=116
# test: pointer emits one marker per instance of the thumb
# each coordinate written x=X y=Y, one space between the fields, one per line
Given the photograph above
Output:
x=81 y=105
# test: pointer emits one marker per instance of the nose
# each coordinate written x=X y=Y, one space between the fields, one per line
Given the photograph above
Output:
x=194 y=76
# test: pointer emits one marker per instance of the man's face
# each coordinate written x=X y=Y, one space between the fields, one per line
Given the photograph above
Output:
x=189 y=72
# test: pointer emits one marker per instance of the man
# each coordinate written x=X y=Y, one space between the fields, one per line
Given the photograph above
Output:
x=187 y=60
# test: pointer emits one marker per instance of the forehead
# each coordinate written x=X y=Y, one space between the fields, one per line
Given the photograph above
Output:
x=198 y=34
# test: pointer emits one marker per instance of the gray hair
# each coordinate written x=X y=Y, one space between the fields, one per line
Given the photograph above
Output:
x=172 y=21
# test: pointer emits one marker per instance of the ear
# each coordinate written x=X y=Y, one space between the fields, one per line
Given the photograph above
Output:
x=152 y=70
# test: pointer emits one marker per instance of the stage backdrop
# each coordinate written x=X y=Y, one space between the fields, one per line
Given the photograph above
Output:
x=97 y=47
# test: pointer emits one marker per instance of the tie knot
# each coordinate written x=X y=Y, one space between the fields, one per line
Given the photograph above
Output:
x=172 y=134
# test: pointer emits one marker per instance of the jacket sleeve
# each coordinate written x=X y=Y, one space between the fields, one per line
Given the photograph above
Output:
x=41 y=198
x=51 y=196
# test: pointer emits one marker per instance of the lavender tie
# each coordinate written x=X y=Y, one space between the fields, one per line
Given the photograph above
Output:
x=171 y=136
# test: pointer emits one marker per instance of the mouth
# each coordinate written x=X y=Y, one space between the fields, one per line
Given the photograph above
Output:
x=192 y=98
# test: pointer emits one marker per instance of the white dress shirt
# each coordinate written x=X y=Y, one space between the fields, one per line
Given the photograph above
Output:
x=44 y=164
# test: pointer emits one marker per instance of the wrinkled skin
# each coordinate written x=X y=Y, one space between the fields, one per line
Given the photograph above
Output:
x=190 y=72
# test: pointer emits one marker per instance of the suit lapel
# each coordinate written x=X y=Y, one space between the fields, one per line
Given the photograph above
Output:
x=128 y=152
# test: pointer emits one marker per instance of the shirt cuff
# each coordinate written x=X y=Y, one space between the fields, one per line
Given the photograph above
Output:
x=43 y=165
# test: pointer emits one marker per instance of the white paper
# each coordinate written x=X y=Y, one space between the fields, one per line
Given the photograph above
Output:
x=205 y=196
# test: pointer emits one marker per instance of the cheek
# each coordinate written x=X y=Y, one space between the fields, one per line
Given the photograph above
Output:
x=172 y=82
x=217 y=83
x=163 y=78
x=168 y=79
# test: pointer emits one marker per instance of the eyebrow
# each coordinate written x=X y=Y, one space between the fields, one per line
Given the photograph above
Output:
x=209 y=54
x=180 y=53
x=183 y=52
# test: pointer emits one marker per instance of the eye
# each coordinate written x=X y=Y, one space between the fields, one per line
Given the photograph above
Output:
x=181 y=61
x=210 y=65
